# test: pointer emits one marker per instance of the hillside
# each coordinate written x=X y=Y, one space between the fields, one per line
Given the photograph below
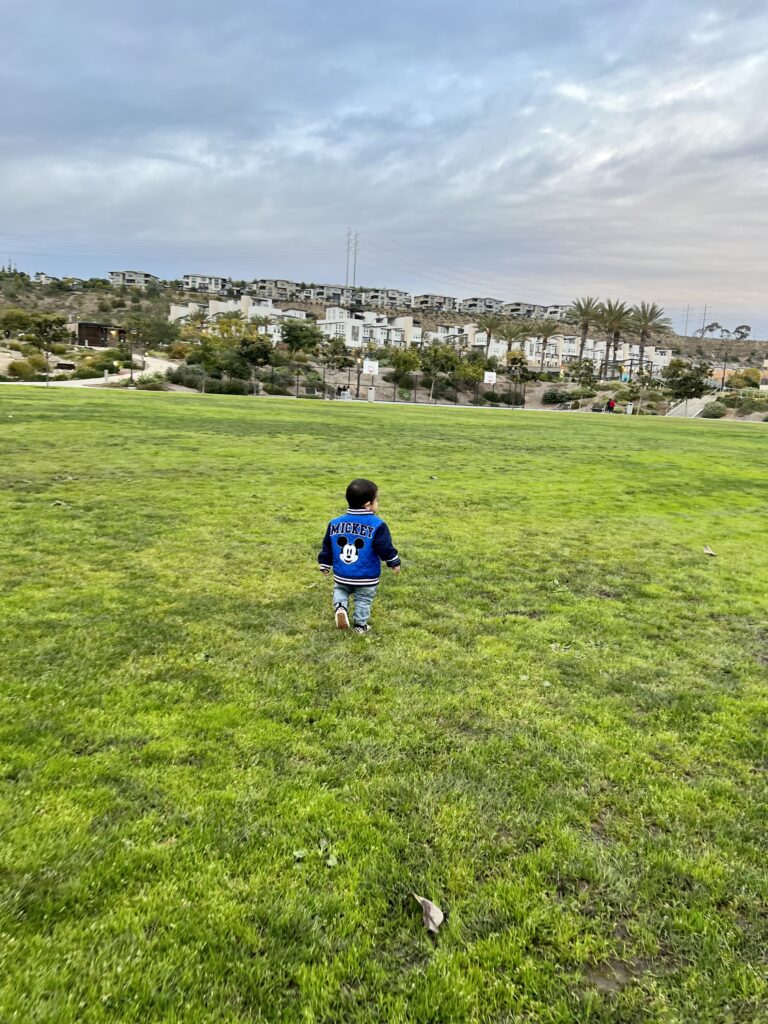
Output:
x=112 y=305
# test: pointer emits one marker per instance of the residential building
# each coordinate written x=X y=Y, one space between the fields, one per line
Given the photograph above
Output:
x=385 y=298
x=95 y=335
x=41 y=278
x=204 y=283
x=369 y=329
x=274 y=288
x=438 y=303
x=131 y=278
x=480 y=306
x=524 y=310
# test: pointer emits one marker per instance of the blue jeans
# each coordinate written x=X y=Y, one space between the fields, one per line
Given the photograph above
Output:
x=363 y=600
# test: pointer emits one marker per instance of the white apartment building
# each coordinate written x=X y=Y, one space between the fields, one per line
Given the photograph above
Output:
x=131 y=278
x=481 y=305
x=368 y=328
x=439 y=303
x=204 y=283
x=525 y=310
x=563 y=349
x=41 y=278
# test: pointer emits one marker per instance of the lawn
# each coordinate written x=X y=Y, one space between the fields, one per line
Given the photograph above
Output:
x=215 y=807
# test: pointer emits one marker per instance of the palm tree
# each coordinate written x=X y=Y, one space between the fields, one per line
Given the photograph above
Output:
x=585 y=312
x=649 y=319
x=615 y=318
x=546 y=329
x=513 y=332
x=490 y=323
x=199 y=319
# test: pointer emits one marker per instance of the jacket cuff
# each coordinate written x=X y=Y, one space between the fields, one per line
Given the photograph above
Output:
x=393 y=562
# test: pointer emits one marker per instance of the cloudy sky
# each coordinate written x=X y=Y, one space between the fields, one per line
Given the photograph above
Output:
x=535 y=150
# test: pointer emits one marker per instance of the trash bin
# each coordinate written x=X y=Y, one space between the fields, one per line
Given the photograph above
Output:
x=371 y=394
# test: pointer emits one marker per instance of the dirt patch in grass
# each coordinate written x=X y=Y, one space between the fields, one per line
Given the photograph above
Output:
x=613 y=975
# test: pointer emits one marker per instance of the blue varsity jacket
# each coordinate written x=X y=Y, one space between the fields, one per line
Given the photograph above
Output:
x=355 y=545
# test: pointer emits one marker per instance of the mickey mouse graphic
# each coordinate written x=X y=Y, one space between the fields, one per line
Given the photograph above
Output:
x=349 y=552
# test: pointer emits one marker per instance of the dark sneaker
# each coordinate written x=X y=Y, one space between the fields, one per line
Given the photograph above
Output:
x=362 y=628
x=342 y=619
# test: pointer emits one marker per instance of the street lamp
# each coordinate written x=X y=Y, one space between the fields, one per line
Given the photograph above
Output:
x=132 y=334
x=359 y=362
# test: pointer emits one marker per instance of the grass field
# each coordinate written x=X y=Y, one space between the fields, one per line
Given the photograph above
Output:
x=215 y=807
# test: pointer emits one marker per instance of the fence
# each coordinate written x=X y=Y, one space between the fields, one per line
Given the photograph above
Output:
x=414 y=388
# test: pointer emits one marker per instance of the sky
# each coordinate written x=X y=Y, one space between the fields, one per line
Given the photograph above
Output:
x=533 y=151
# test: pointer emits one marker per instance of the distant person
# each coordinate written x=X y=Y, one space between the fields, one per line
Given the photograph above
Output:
x=354 y=546
x=610 y=405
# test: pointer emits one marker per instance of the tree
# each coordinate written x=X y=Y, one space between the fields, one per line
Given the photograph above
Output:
x=616 y=319
x=687 y=380
x=302 y=336
x=404 y=361
x=254 y=352
x=49 y=330
x=335 y=354
x=546 y=329
x=649 y=319
x=14 y=320
x=583 y=372
x=154 y=329
x=438 y=359
x=742 y=332
x=490 y=323
x=584 y=312
x=513 y=334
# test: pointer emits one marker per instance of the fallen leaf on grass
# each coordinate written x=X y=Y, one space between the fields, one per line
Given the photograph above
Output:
x=708 y=551
x=331 y=861
x=432 y=914
x=299 y=854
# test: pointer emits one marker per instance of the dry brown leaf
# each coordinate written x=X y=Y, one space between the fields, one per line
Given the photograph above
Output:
x=432 y=914
x=708 y=551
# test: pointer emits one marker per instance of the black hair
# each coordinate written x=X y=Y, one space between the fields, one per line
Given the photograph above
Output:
x=360 y=492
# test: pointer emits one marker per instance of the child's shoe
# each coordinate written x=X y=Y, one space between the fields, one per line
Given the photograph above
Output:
x=342 y=619
x=362 y=627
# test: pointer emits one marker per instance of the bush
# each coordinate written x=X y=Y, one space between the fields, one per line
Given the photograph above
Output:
x=491 y=396
x=86 y=373
x=21 y=369
x=713 y=411
x=404 y=395
x=554 y=396
x=604 y=386
x=275 y=389
x=151 y=382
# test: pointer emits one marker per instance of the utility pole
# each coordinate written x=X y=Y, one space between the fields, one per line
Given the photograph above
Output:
x=687 y=311
x=349 y=247
x=354 y=262
x=704 y=320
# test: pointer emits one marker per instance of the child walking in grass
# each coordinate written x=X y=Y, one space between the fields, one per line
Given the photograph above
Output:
x=354 y=546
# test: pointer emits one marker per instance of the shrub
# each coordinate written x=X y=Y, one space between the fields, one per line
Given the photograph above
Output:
x=15 y=346
x=151 y=382
x=554 y=396
x=21 y=369
x=491 y=396
x=179 y=350
x=604 y=386
x=404 y=394
x=275 y=389
x=86 y=373
x=713 y=411
x=511 y=398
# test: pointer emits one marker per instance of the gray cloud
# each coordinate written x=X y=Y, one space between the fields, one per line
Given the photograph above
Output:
x=541 y=152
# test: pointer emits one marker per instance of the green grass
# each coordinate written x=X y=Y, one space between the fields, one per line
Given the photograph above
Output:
x=557 y=731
